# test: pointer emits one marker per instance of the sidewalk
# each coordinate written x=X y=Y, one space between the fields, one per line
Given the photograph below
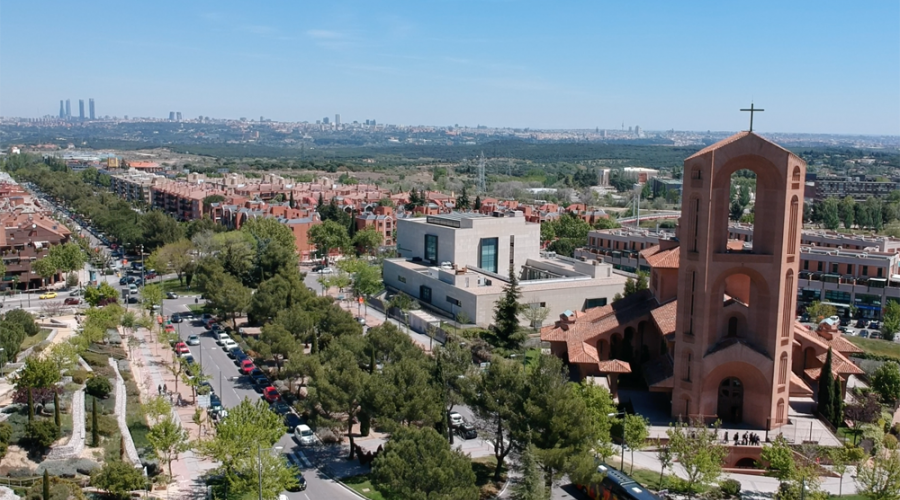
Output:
x=150 y=364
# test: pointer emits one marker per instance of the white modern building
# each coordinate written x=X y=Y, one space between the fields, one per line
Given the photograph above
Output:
x=461 y=262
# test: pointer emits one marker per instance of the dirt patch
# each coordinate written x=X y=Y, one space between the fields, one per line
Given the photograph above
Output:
x=16 y=458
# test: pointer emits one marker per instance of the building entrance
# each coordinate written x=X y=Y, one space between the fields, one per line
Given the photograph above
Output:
x=731 y=401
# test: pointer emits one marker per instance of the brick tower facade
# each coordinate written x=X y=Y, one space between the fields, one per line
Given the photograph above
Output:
x=736 y=305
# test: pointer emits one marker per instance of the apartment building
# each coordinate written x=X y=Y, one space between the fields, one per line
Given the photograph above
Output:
x=460 y=262
x=134 y=186
x=27 y=236
x=859 y=188
x=380 y=218
x=235 y=211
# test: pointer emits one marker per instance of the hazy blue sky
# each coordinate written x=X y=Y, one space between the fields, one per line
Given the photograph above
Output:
x=815 y=66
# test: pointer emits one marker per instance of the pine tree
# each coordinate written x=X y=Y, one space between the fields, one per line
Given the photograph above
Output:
x=532 y=485
x=477 y=205
x=321 y=201
x=462 y=203
x=30 y=406
x=826 y=389
x=95 y=431
x=837 y=405
x=291 y=200
x=351 y=229
x=46 y=485
x=506 y=315
x=56 y=418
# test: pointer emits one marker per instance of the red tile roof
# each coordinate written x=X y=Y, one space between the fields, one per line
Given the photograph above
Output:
x=665 y=317
x=661 y=259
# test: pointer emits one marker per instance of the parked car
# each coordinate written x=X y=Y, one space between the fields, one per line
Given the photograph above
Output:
x=271 y=394
x=456 y=419
x=326 y=270
x=864 y=334
x=234 y=351
x=215 y=403
x=301 y=483
x=76 y=293
x=72 y=301
x=259 y=379
x=247 y=366
x=133 y=300
x=874 y=325
x=182 y=348
x=229 y=344
x=280 y=407
x=221 y=337
x=875 y=335
x=361 y=320
x=176 y=318
x=193 y=340
x=291 y=421
x=49 y=295
x=124 y=280
x=239 y=357
x=466 y=431
x=171 y=295
x=860 y=323
x=304 y=435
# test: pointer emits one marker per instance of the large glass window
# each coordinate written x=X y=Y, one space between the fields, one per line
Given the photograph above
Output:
x=431 y=248
x=425 y=294
x=487 y=254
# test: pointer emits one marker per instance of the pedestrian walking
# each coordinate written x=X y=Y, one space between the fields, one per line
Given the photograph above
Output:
x=159 y=390
x=165 y=389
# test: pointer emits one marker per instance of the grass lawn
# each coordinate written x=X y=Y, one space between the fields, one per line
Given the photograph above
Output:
x=35 y=339
x=174 y=285
x=363 y=486
x=197 y=308
x=879 y=347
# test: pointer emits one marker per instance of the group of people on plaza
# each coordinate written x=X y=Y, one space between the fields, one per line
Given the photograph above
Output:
x=750 y=438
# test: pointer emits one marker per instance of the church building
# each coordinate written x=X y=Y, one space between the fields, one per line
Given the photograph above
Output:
x=716 y=329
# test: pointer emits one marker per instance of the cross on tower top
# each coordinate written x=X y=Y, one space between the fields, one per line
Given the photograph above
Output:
x=752 y=110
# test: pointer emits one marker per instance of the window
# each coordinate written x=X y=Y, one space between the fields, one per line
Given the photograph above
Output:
x=880 y=271
x=691 y=316
x=453 y=301
x=805 y=265
x=487 y=254
x=431 y=248
x=591 y=303
x=401 y=279
x=732 y=326
x=865 y=270
x=782 y=369
x=696 y=229
x=819 y=266
x=425 y=294
x=792 y=231
x=834 y=269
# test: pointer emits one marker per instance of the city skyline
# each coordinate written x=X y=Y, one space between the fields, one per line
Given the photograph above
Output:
x=831 y=69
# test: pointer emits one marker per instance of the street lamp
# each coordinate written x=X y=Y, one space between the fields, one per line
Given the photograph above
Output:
x=259 y=458
x=620 y=414
x=2 y=355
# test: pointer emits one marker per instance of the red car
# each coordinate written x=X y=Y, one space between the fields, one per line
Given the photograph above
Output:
x=271 y=394
x=247 y=366
x=72 y=301
x=182 y=348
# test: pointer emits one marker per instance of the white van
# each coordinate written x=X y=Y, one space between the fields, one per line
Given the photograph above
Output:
x=304 y=435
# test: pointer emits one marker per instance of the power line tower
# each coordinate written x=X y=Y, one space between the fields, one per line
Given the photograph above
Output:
x=481 y=186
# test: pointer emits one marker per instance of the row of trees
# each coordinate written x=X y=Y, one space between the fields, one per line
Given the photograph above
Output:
x=874 y=213
x=568 y=232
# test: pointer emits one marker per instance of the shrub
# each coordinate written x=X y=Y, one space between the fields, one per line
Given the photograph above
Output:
x=79 y=376
x=895 y=429
x=890 y=441
x=42 y=433
x=106 y=424
x=60 y=489
x=99 y=387
x=730 y=487
x=67 y=467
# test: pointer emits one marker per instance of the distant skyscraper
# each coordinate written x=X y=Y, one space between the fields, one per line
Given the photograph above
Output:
x=62 y=109
x=81 y=109
x=171 y=116
x=68 y=109
x=325 y=120
x=178 y=115
x=337 y=120
x=91 y=106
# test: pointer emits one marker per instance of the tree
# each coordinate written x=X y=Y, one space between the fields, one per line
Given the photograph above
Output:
x=341 y=384
x=118 y=479
x=535 y=313
x=46 y=485
x=847 y=211
x=56 y=417
x=463 y=203
x=151 y=295
x=168 y=440
x=830 y=213
x=453 y=363
x=477 y=205
x=177 y=257
x=553 y=418
x=891 y=324
x=246 y=425
x=42 y=433
x=696 y=447
x=98 y=386
x=636 y=432
x=736 y=210
x=230 y=296
x=368 y=240
x=45 y=268
x=64 y=355
x=68 y=257
x=879 y=477
x=158 y=228
x=825 y=398
x=95 y=427
x=506 y=314
x=328 y=236
x=865 y=410
x=633 y=286
x=818 y=311
x=100 y=294
x=886 y=383
x=531 y=486
x=779 y=458
x=599 y=404
x=419 y=464
x=38 y=373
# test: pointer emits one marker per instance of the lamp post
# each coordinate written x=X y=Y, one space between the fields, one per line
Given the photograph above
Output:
x=620 y=414
x=2 y=355
x=259 y=458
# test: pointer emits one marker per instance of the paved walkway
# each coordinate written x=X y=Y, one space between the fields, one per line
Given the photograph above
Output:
x=149 y=364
